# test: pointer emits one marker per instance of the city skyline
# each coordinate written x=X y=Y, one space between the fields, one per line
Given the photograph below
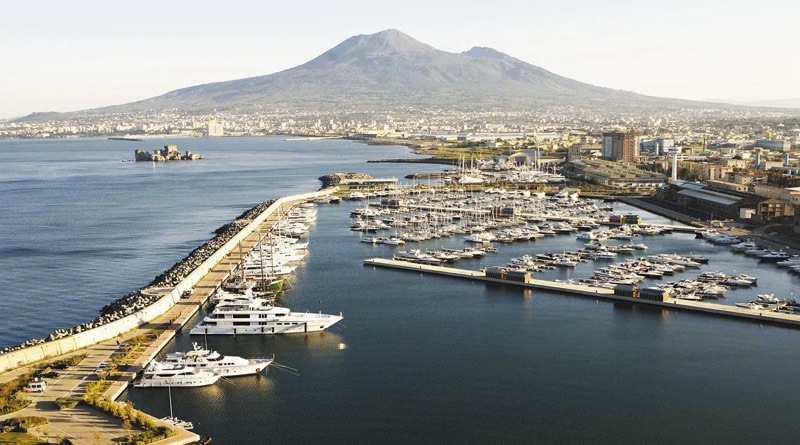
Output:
x=81 y=56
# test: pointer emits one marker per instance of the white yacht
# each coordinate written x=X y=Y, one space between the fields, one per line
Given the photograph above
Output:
x=480 y=238
x=208 y=360
x=724 y=239
x=743 y=246
x=257 y=316
x=167 y=374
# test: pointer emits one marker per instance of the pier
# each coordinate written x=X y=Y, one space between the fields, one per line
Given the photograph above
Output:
x=761 y=316
x=168 y=316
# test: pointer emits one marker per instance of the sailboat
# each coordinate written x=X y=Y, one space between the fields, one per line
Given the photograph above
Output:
x=172 y=420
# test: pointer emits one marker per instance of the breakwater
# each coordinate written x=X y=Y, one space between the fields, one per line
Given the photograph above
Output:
x=151 y=301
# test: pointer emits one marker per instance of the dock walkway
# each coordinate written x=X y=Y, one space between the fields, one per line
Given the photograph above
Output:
x=599 y=293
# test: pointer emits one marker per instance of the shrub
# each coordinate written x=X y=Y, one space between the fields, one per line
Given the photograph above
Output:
x=67 y=402
x=149 y=436
x=24 y=423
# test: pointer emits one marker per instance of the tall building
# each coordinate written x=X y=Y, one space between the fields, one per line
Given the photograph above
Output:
x=618 y=146
x=215 y=129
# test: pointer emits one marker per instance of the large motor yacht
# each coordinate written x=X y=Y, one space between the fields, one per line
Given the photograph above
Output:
x=213 y=361
x=258 y=316
x=166 y=374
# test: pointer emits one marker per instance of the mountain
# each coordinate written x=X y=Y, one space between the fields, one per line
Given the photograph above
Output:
x=390 y=68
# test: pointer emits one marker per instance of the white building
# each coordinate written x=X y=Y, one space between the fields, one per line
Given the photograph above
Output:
x=215 y=129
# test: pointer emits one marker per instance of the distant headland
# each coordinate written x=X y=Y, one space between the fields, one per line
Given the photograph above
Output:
x=169 y=153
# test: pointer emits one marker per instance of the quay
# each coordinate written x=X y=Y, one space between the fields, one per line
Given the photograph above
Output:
x=761 y=316
x=168 y=315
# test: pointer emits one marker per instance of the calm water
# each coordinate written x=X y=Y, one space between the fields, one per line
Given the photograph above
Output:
x=417 y=359
x=81 y=228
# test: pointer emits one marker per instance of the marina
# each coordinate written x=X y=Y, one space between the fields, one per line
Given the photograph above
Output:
x=760 y=315
x=543 y=352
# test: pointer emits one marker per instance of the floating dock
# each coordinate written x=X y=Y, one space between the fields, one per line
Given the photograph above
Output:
x=763 y=316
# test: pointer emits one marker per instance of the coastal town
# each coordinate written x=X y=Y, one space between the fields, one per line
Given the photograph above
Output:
x=713 y=164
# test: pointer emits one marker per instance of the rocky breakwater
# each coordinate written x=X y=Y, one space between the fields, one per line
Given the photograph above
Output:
x=169 y=153
x=140 y=299
x=334 y=179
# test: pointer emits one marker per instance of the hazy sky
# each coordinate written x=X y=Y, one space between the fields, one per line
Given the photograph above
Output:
x=71 y=55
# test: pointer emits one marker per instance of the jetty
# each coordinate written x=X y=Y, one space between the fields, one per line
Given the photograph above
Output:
x=175 y=307
x=761 y=316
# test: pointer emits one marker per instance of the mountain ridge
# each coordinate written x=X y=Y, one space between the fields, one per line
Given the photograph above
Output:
x=392 y=69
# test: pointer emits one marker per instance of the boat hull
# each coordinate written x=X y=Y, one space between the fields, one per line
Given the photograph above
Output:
x=267 y=329
x=177 y=382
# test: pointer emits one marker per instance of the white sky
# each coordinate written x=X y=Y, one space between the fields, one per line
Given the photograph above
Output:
x=69 y=55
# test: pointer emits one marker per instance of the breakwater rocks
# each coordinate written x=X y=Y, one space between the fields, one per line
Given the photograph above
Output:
x=430 y=175
x=334 y=179
x=169 y=153
x=140 y=299
x=419 y=161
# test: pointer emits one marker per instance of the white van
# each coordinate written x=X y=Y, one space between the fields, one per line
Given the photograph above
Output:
x=36 y=385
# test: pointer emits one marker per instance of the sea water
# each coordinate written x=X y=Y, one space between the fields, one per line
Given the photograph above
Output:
x=417 y=358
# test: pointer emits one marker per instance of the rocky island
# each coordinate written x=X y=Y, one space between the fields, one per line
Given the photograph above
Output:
x=169 y=153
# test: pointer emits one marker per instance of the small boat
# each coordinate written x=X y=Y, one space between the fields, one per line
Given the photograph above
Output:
x=565 y=262
x=743 y=246
x=174 y=421
x=773 y=257
x=737 y=282
x=767 y=298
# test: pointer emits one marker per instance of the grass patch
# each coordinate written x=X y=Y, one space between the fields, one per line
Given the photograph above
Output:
x=18 y=439
x=24 y=423
x=11 y=397
x=150 y=436
x=67 y=402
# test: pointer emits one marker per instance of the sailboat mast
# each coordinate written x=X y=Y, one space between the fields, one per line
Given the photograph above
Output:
x=169 y=388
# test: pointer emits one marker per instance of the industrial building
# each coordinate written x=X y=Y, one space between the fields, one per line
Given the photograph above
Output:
x=613 y=173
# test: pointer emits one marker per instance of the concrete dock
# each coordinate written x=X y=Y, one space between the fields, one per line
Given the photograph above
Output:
x=762 y=316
